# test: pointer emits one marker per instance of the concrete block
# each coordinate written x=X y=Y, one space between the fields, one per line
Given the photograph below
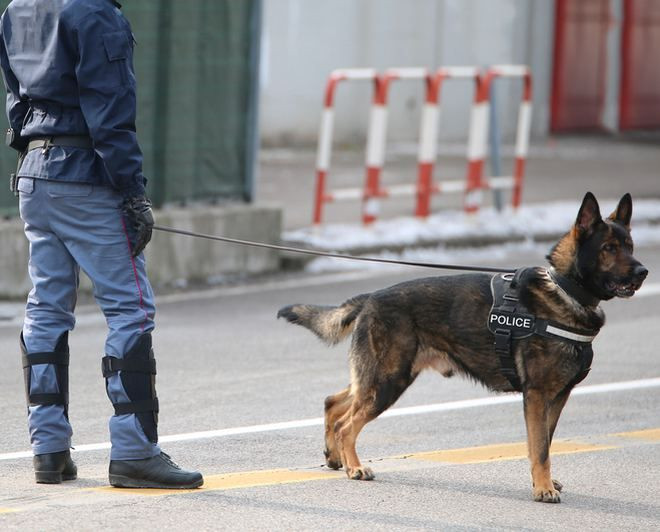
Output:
x=173 y=260
x=176 y=259
x=14 y=250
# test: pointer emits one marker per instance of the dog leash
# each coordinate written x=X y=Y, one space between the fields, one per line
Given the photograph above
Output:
x=332 y=255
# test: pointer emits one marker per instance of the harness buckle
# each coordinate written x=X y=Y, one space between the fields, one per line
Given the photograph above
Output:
x=502 y=340
x=507 y=362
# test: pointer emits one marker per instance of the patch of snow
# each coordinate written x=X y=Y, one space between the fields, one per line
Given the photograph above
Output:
x=525 y=222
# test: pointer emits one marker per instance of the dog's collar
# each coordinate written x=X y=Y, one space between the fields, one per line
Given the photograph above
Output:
x=573 y=289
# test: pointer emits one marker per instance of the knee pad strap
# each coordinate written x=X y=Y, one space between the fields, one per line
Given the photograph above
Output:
x=60 y=359
x=137 y=371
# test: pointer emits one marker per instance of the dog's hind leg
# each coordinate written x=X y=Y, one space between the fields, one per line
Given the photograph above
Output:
x=536 y=406
x=382 y=358
x=366 y=406
x=346 y=431
x=335 y=407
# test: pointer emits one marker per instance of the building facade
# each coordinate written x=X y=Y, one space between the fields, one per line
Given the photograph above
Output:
x=582 y=53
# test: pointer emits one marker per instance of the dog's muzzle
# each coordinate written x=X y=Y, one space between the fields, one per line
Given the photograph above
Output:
x=628 y=287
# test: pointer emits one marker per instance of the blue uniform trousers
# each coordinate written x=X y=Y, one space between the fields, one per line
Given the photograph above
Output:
x=72 y=226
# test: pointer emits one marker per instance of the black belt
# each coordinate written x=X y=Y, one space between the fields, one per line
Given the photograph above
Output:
x=45 y=143
x=71 y=141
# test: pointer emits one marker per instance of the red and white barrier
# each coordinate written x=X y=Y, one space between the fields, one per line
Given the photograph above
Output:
x=376 y=141
x=477 y=142
x=473 y=184
x=325 y=137
x=428 y=138
x=377 y=138
x=428 y=142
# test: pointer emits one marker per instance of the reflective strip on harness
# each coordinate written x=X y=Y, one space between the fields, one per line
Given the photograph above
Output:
x=562 y=333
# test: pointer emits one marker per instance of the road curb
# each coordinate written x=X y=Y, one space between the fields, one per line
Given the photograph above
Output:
x=296 y=261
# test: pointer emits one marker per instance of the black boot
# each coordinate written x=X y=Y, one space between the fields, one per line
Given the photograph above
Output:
x=156 y=472
x=53 y=468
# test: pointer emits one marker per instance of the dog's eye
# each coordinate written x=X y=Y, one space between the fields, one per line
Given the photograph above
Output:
x=609 y=248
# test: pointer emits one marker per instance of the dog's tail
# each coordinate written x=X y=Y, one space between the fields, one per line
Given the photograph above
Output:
x=330 y=324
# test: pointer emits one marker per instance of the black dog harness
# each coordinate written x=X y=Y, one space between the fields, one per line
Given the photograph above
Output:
x=510 y=320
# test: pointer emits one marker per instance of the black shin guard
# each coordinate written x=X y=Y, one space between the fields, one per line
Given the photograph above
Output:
x=59 y=357
x=137 y=371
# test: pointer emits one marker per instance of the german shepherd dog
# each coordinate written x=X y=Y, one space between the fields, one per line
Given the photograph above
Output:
x=440 y=323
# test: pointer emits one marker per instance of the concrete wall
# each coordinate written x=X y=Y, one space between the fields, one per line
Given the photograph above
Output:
x=173 y=260
x=303 y=40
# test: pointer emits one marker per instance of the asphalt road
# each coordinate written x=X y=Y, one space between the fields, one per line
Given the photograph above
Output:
x=241 y=397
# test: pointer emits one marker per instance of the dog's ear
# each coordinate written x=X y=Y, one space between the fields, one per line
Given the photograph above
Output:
x=588 y=215
x=623 y=213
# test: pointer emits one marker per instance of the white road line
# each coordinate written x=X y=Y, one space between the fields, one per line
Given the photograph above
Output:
x=394 y=412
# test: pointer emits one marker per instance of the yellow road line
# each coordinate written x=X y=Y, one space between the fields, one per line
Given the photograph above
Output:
x=649 y=434
x=8 y=510
x=468 y=455
x=505 y=451
x=245 y=479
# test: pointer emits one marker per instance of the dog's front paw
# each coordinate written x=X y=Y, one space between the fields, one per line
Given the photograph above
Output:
x=331 y=461
x=557 y=485
x=546 y=495
x=333 y=464
x=360 y=473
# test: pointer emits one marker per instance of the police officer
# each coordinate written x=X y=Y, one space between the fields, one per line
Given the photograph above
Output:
x=67 y=66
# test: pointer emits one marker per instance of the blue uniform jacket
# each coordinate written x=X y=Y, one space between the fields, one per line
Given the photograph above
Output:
x=68 y=69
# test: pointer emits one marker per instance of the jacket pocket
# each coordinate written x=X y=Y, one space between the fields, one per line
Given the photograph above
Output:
x=118 y=49
x=117 y=45
x=64 y=189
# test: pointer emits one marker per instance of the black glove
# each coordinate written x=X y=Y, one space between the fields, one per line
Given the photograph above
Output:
x=141 y=219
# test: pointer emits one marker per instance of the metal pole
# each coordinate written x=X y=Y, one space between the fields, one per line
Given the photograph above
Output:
x=252 y=115
x=495 y=159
